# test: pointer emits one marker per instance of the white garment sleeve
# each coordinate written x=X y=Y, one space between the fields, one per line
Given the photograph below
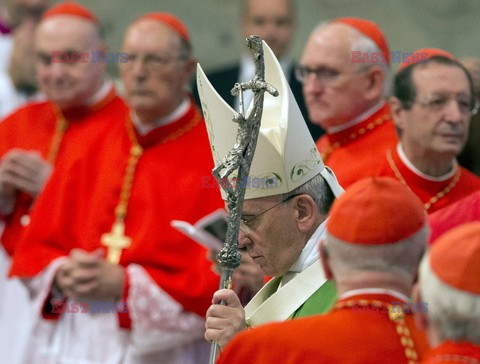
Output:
x=158 y=321
x=40 y=286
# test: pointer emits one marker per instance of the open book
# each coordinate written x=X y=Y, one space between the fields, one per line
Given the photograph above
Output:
x=210 y=231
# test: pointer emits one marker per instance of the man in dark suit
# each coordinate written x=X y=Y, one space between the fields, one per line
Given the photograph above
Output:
x=274 y=22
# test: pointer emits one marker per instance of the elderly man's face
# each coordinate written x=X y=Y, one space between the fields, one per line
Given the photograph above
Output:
x=68 y=84
x=157 y=73
x=437 y=123
x=336 y=94
x=271 y=20
x=272 y=238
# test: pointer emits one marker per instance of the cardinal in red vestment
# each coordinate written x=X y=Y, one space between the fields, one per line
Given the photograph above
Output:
x=42 y=135
x=432 y=129
x=350 y=60
x=449 y=282
x=108 y=237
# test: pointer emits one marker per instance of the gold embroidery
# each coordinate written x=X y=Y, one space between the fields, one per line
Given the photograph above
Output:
x=396 y=316
x=362 y=131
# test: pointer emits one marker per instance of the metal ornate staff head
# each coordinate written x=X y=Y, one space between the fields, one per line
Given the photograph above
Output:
x=234 y=167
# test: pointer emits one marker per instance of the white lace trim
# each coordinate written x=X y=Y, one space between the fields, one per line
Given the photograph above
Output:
x=158 y=321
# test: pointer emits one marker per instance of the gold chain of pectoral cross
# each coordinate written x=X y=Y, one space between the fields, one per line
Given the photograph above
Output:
x=330 y=148
x=61 y=125
x=116 y=240
x=433 y=200
x=396 y=316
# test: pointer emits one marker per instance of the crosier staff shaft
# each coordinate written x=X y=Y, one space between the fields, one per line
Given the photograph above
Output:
x=239 y=159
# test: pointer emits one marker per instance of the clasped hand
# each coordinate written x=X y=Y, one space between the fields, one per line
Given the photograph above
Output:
x=23 y=170
x=87 y=276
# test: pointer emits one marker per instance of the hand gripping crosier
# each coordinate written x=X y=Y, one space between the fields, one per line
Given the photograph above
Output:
x=239 y=160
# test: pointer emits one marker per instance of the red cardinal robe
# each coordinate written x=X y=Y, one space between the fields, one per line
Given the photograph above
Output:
x=451 y=353
x=33 y=127
x=434 y=194
x=349 y=333
x=78 y=205
x=354 y=153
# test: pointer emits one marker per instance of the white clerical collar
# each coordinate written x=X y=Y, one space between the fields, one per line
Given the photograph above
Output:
x=418 y=172
x=383 y=291
x=144 y=129
x=362 y=117
x=101 y=93
x=247 y=72
x=309 y=255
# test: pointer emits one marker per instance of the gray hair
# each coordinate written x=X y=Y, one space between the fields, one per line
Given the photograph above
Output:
x=455 y=314
x=318 y=189
x=366 y=45
x=400 y=258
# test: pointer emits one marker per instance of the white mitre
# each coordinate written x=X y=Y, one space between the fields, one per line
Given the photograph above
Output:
x=286 y=156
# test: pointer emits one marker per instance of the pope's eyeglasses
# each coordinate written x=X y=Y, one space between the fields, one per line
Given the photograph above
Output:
x=245 y=224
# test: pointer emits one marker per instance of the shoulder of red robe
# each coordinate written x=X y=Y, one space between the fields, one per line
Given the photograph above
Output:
x=71 y=8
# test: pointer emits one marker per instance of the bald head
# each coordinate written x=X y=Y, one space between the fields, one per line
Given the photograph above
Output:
x=72 y=31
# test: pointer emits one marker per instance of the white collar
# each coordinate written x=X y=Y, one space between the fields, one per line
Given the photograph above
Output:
x=363 y=291
x=357 y=120
x=418 y=172
x=309 y=255
x=176 y=114
x=101 y=93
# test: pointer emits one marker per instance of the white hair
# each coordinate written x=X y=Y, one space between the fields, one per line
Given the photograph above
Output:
x=454 y=314
x=400 y=258
x=319 y=190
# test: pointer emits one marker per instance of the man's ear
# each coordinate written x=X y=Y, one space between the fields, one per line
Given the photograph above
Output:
x=190 y=67
x=421 y=308
x=375 y=82
x=324 y=259
x=397 y=111
x=307 y=212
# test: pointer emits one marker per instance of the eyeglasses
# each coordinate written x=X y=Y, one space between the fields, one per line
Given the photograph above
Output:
x=437 y=102
x=323 y=74
x=152 y=62
x=245 y=224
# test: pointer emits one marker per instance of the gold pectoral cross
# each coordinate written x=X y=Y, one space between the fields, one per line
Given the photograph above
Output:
x=116 y=241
